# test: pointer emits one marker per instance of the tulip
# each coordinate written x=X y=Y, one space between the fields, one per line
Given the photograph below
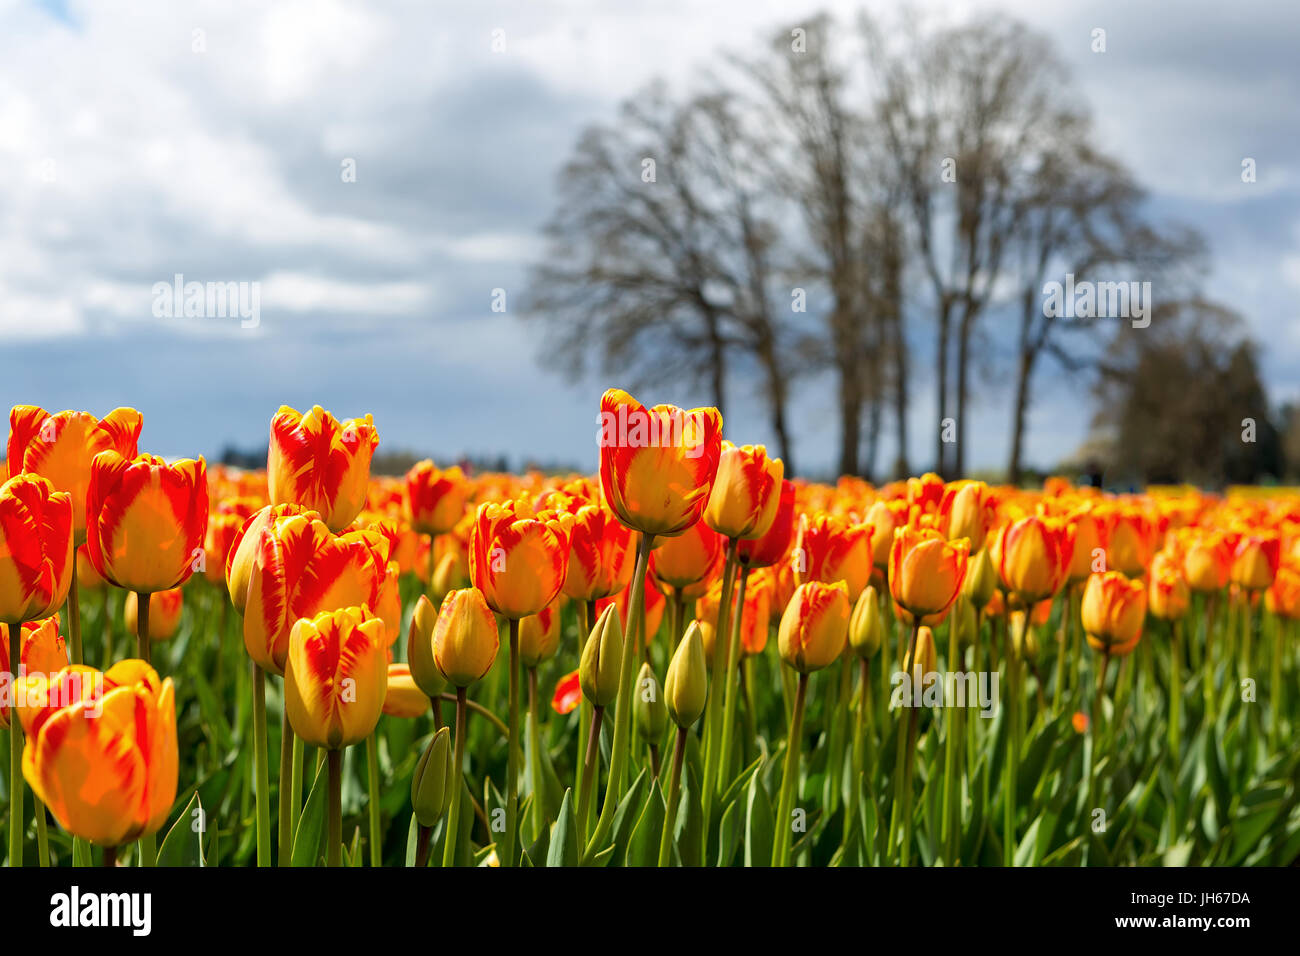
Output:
x=431 y=789
x=922 y=659
x=164 y=613
x=1128 y=548
x=884 y=517
x=772 y=547
x=981 y=579
x=518 y=561
x=224 y=525
x=316 y=461
x=598 y=671
x=1255 y=560
x=1112 y=611
x=301 y=570
x=403 y=698
x=42 y=651
x=568 y=694
x=539 y=635
x=101 y=749
x=465 y=637
x=1032 y=557
x=145 y=523
x=88 y=578
x=657 y=465
x=831 y=548
x=686 y=690
x=1090 y=533
x=815 y=626
x=1168 y=597
x=435 y=500
x=241 y=557
x=1283 y=596
x=926 y=572
x=866 y=630
x=967 y=510
x=419 y=650
x=746 y=492
x=1207 y=559
x=649 y=712
x=602 y=554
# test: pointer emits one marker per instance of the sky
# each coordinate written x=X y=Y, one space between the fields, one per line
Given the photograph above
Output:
x=215 y=140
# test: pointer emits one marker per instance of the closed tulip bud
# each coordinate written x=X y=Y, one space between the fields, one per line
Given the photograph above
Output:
x=1255 y=560
x=164 y=613
x=865 y=628
x=336 y=677
x=61 y=447
x=419 y=649
x=517 y=560
x=1113 y=610
x=746 y=492
x=1090 y=533
x=36 y=564
x=884 y=517
x=967 y=511
x=926 y=660
x=1032 y=556
x=1129 y=540
x=981 y=579
x=146 y=520
x=709 y=634
x=963 y=618
x=403 y=698
x=465 y=638
x=42 y=652
x=1169 y=598
x=648 y=707
x=926 y=572
x=450 y=574
x=686 y=689
x=321 y=463
x=815 y=626
x=657 y=465
x=539 y=635
x=101 y=749
x=1207 y=558
x=598 y=671
x=435 y=500
x=433 y=779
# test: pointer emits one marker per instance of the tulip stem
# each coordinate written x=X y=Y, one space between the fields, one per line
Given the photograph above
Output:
x=623 y=709
x=586 y=615
x=512 y=746
x=950 y=751
x=295 y=784
x=15 y=752
x=1276 y=689
x=284 y=788
x=142 y=626
x=110 y=856
x=74 y=616
x=482 y=711
x=730 y=683
x=712 y=718
x=334 y=836
x=372 y=799
x=535 y=753
x=42 y=834
x=422 y=843
x=670 y=805
x=1175 y=690
x=589 y=771
x=261 y=780
x=782 y=840
x=1012 y=763
x=458 y=763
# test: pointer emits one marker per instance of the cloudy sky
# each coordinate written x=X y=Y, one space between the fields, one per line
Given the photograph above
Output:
x=141 y=140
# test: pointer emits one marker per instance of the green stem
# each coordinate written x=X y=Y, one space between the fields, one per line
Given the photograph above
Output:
x=142 y=626
x=783 y=840
x=295 y=784
x=334 y=837
x=1277 y=689
x=15 y=752
x=1175 y=691
x=452 y=831
x=262 y=775
x=1012 y=764
x=284 y=790
x=950 y=749
x=74 y=616
x=372 y=799
x=507 y=858
x=712 y=716
x=535 y=753
x=730 y=684
x=589 y=773
x=670 y=806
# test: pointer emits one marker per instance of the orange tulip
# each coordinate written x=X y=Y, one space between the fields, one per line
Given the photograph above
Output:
x=1113 y=610
x=967 y=510
x=926 y=572
x=539 y=635
x=1256 y=559
x=101 y=749
x=35 y=549
x=241 y=558
x=465 y=639
x=815 y=626
x=517 y=560
x=88 y=578
x=655 y=603
x=755 y=619
x=746 y=492
x=1033 y=556
x=1089 y=537
x=164 y=613
x=926 y=492
x=1129 y=540
x=1169 y=596
x=832 y=548
x=1207 y=558
x=402 y=697
x=146 y=520
x=772 y=547
x=335 y=677
x=435 y=500
x=316 y=461
x=223 y=528
x=568 y=694
x=657 y=465
x=884 y=517
x=42 y=652
x=1283 y=595
x=691 y=559
x=302 y=570
x=602 y=555
x=61 y=447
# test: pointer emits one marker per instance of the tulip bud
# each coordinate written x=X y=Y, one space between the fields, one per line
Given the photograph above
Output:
x=1023 y=635
x=419 y=649
x=648 y=706
x=708 y=634
x=449 y=575
x=926 y=659
x=598 y=672
x=865 y=629
x=687 y=688
x=981 y=579
x=465 y=638
x=539 y=635
x=815 y=625
x=964 y=620
x=430 y=793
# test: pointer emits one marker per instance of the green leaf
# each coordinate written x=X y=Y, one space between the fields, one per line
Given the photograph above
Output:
x=758 y=825
x=643 y=848
x=184 y=845
x=311 y=825
x=564 y=845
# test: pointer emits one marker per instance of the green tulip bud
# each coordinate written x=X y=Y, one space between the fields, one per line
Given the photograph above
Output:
x=598 y=671
x=865 y=628
x=981 y=579
x=432 y=780
x=419 y=649
x=648 y=706
x=687 y=686
x=963 y=619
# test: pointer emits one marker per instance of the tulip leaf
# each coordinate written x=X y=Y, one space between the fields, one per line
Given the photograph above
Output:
x=311 y=825
x=564 y=843
x=625 y=817
x=729 y=834
x=758 y=825
x=412 y=839
x=184 y=843
x=643 y=848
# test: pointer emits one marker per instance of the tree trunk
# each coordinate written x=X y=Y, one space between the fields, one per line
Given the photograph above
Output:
x=941 y=375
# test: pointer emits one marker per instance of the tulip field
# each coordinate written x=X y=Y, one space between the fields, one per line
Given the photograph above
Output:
x=687 y=659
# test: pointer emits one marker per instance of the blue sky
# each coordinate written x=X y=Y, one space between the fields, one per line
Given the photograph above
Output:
x=134 y=148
